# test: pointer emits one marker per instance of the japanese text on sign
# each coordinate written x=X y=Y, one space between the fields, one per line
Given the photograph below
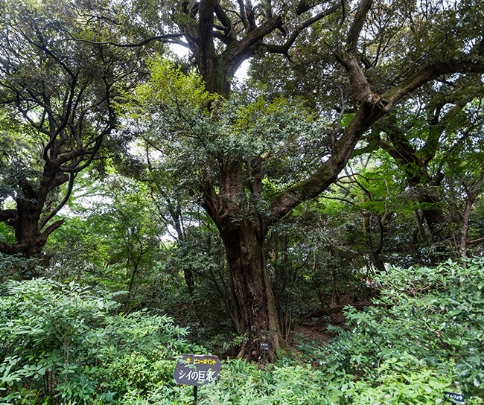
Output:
x=455 y=398
x=193 y=369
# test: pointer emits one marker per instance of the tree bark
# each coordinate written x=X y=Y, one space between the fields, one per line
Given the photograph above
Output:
x=242 y=228
x=26 y=220
x=243 y=233
x=247 y=265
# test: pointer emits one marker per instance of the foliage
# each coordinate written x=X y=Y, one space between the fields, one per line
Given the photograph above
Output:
x=427 y=322
x=195 y=129
x=57 y=95
x=63 y=342
x=387 y=355
x=12 y=266
x=254 y=159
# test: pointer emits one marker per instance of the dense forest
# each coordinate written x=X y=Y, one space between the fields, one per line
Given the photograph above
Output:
x=294 y=186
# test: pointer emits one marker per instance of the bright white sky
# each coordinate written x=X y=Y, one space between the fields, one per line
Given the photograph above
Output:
x=241 y=74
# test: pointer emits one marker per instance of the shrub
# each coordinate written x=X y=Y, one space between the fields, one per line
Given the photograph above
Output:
x=61 y=343
x=65 y=344
x=424 y=335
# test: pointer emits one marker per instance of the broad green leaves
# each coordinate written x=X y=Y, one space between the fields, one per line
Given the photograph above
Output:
x=64 y=342
x=193 y=129
x=423 y=337
x=426 y=319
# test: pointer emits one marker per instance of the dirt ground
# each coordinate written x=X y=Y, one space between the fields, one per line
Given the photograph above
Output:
x=314 y=327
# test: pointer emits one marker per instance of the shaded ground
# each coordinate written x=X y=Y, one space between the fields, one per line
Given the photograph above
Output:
x=313 y=329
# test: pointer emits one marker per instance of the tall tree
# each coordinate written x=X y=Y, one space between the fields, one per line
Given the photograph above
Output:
x=421 y=137
x=232 y=186
x=58 y=96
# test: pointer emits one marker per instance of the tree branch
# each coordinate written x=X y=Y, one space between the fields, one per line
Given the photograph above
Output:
x=306 y=5
x=51 y=228
x=228 y=29
x=283 y=49
x=167 y=37
x=240 y=50
x=357 y=25
x=8 y=215
x=368 y=113
x=428 y=74
x=243 y=15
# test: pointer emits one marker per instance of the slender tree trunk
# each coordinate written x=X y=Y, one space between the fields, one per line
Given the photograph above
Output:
x=472 y=194
x=465 y=227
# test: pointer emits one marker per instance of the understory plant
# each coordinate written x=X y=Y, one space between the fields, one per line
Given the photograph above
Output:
x=424 y=336
x=421 y=338
x=64 y=343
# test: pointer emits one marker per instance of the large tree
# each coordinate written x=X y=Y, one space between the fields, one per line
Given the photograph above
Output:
x=374 y=52
x=58 y=98
x=368 y=51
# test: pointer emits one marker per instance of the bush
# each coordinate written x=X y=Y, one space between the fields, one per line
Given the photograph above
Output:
x=61 y=343
x=64 y=344
x=424 y=335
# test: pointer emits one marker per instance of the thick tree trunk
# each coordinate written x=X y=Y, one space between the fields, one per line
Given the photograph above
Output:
x=31 y=234
x=247 y=264
x=243 y=231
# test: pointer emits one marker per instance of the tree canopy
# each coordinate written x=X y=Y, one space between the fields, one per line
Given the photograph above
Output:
x=397 y=85
x=58 y=96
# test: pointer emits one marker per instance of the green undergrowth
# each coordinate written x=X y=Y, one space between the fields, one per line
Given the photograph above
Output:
x=424 y=335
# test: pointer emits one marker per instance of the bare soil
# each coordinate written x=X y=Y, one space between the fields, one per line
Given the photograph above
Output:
x=313 y=328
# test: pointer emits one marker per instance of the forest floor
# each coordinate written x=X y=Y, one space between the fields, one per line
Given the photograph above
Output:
x=313 y=328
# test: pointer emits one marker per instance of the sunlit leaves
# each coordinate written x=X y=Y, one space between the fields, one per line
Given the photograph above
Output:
x=193 y=129
x=169 y=86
